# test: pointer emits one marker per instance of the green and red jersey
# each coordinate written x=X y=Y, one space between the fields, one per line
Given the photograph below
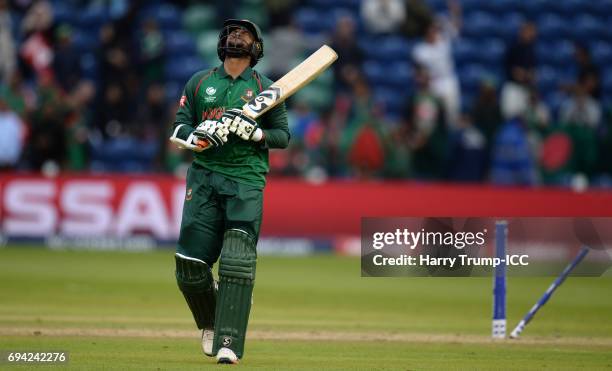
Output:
x=206 y=96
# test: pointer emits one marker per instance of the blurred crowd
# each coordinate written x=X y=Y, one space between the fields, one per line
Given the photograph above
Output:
x=106 y=103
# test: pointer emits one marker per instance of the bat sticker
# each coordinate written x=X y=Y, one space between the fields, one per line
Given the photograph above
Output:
x=264 y=100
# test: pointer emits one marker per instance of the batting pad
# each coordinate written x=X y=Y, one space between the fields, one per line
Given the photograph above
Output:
x=236 y=280
x=195 y=280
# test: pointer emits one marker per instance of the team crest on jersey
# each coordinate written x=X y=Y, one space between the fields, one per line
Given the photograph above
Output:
x=189 y=194
x=248 y=95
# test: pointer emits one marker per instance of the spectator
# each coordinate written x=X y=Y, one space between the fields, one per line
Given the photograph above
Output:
x=468 y=157
x=48 y=132
x=113 y=116
x=8 y=59
x=604 y=156
x=425 y=118
x=66 y=59
x=77 y=125
x=289 y=46
x=486 y=112
x=383 y=16
x=20 y=99
x=21 y=6
x=434 y=53
x=513 y=163
x=581 y=109
x=350 y=56
x=364 y=136
x=12 y=132
x=39 y=18
x=151 y=53
x=537 y=121
x=36 y=51
x=114 y=60
x=225 y=10
x=520 y=64
x=417 y=18
x=304 y=149
x=398 y=160
x=537 y=114
x=331 y=158
x=587 y=72
x=302 y=119
x=280 y=13
x=152 y=115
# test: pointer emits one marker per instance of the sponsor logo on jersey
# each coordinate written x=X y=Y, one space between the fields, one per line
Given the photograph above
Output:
x=182 y=101
x=213 y=113
x=210 y=90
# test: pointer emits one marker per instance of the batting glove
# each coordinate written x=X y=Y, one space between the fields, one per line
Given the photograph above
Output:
x=213 y=131
x=244 y=127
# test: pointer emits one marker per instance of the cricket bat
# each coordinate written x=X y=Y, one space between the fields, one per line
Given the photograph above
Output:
x=291 y=82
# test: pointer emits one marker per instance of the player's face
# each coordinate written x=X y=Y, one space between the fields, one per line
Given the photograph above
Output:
x=240 y=37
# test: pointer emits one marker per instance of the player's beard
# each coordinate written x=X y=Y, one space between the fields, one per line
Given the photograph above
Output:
x=236 y=48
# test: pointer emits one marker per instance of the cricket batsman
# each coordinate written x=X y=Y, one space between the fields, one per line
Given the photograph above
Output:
x=222 y=211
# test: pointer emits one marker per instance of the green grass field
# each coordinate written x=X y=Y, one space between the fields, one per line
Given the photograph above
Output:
x=123 y=311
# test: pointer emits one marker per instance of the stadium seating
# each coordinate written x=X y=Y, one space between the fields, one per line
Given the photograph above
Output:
x=167 y=16
x=555 y=52
x=479 y=23
x=602 y=52
x=61 y=14
x=181 y=69
x=199 y=18
x=311 y=21
x=392 y=100
x=92 y=17
x=584 y=26
x=89 y=66
x=84 y=41
x=191 y=36
x=180 y=43
x=552 y=26
x=487 y=28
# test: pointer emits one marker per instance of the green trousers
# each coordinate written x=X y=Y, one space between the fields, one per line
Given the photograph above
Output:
x=214 y=204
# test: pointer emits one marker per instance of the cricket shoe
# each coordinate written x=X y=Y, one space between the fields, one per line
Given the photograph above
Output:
x=207 y=342
x=227 y=356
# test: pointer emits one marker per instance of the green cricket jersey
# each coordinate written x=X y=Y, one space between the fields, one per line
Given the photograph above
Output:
x=207 y=95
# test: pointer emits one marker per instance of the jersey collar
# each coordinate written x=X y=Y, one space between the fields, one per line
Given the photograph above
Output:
x=245 y=75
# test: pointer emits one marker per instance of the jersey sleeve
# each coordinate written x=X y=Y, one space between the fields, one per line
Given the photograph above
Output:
x=275 y=125
x=184 y=122
x=276 y=128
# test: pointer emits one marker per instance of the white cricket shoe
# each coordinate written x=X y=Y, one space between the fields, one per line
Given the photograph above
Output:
x=227 y=356
x=207 y=342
